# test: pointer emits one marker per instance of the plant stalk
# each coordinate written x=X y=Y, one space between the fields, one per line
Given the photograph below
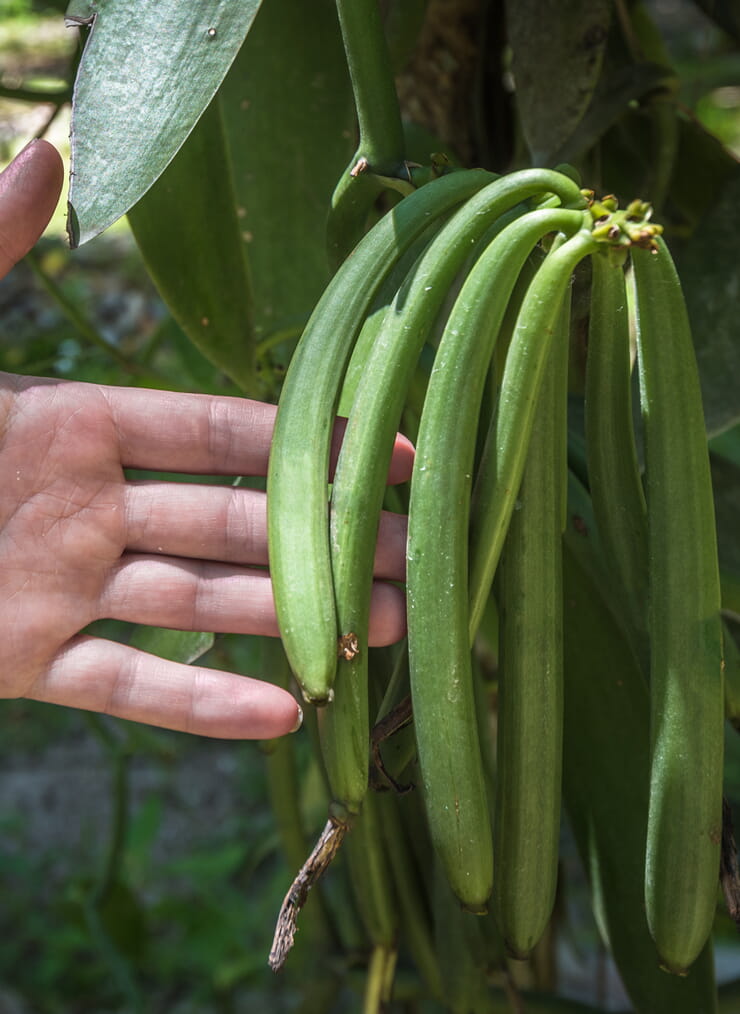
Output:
x=371 y=72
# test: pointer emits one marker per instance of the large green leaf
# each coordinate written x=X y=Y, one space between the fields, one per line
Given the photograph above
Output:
x=290 y=126
x=708 y=266
x=611 y=97
x=187 y=228
x=557 y=54
x=177 y=645
x=703 y=167
x=233 y=232
x=148 y=71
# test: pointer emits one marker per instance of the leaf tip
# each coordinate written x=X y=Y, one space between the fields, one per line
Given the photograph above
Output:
x=73 y=227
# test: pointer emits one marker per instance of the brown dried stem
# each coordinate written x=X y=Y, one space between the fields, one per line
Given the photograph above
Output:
x=389 y=725
x=324 y=850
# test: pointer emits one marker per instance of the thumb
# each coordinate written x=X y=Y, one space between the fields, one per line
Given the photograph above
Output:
x=29 y=192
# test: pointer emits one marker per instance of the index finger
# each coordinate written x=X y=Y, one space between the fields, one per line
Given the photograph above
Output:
x=116 y=679
x=208 y=434
x=29 y=192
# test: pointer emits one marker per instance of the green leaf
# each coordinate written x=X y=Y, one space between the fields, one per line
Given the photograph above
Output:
x=143 y=829
x=709 y=276
x=147 y=73
x=725 y=13
x=290 y=123
x=609 y=101
x=557 y=54
x=176 y=645
x=184 y=363
x=187 y=228
x=701 y=156
x=726 y=484
x=233 y=232
x=726 y=445
x=125 y=920
x=218 y=861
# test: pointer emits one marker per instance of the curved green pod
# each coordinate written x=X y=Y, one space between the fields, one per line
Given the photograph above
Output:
x=379 y=393
x=437 y=556
x=611 y=454
x=606 y=780
x=530 y=675
x=298 y=471
x=502 y=462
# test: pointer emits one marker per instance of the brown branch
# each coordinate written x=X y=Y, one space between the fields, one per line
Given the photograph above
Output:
x=393 y=722
x=317 y=863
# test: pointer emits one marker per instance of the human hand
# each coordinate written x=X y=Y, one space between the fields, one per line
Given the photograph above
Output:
x=78 y=542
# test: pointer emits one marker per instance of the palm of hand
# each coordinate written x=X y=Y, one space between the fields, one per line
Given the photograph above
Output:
x=62 y=522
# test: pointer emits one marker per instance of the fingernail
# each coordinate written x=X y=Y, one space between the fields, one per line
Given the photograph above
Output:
x=299 y=721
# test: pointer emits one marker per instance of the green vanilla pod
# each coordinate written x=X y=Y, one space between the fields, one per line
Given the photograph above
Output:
x=530 y=697
x=686 y=668
x=297 y=482
x=437 y=557
x=613 y=471
x=360 y=477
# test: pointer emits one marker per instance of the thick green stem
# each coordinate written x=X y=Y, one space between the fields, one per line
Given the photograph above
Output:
x=380 y=153
x=369 y=62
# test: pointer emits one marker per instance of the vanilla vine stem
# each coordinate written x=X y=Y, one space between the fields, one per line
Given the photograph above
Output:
x=371 y=72
x=379 y=158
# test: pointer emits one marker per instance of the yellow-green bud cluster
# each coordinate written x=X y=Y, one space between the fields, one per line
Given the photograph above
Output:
x=627 y=227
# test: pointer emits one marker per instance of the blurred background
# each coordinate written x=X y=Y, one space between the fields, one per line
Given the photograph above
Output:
x=141 y=870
